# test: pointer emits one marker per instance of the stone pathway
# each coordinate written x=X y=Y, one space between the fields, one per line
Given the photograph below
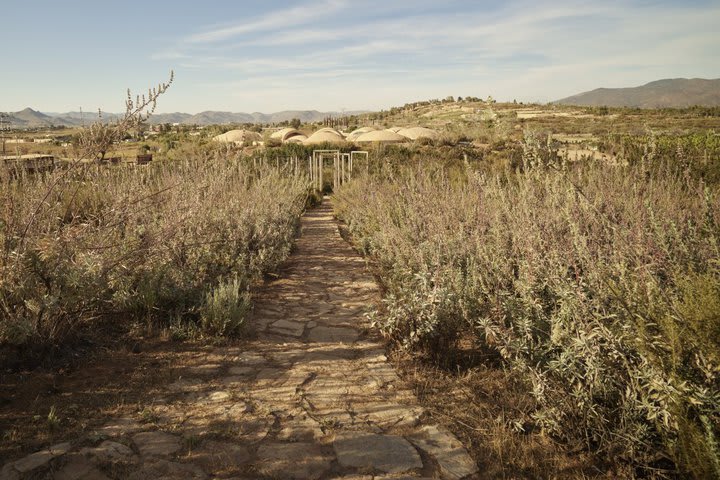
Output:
x=313 y=397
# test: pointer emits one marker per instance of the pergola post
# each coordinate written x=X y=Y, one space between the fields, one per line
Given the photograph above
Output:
x=345 y=167
x=320 y=165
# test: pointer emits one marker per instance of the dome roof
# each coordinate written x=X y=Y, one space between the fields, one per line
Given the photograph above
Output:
x=414 y=133
x=296 y=139
x=285 y=134
x=330 y=130
x=382 y=136
x=325 y=136
x=238 y=136
x=356 y=133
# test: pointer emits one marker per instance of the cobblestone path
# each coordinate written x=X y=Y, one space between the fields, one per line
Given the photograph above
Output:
x=312 y=397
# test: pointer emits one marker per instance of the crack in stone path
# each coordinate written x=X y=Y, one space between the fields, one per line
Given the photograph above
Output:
x=311 y=397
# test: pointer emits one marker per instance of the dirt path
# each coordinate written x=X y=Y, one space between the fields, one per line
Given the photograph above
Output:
x=313 y=397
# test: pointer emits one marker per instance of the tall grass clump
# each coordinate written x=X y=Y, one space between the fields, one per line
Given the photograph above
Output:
x=224 y=309
x=597 y=286
x=171 y=240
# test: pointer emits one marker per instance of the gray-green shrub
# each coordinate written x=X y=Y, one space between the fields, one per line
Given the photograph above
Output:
x=597 y=285
x=224 y=309
x=141 y=243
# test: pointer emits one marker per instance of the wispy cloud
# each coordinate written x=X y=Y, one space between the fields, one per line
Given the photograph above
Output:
x=364 y=54
x=274 y=20
x=518 y=49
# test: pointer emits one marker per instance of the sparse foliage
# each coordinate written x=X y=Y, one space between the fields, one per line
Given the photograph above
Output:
x=97 y=139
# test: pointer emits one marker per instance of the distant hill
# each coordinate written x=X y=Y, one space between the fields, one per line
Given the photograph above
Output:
x=668 y=93
x=30 y=118
x=170 y=118
x=81 y=118
x=218 y=118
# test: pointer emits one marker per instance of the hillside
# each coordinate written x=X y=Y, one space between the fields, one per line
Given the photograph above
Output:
x=29 y=118
x=218 y=118
x=667 y=93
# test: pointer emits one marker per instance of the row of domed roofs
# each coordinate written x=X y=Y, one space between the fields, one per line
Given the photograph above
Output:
x=330 y=135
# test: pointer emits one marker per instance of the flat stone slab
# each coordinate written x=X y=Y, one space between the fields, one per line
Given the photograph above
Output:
x=214 y=456
x=386 y=453
x=299 y=428
x=381 y=374
x=109 y=452
x=292 y=461
x=354 y=477
x=218 y=396
x=252 y=430
x=158 y=469
x=234 y=381
x=388 y=414
x=239 y=409
x=40 y=459
x=156 y=443
x=251 y=358
x=79 y=468
x=402 y=477
x=120 y=426
x=288 y=327
x=242 y=370
x=323 y=334
x=186 y=385
x=454 y=461
x=206 y=369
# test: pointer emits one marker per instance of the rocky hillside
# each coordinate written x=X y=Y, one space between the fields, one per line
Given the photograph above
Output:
x=668 y=93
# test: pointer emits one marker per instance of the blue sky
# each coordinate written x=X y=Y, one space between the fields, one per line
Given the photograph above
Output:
x=339 y=54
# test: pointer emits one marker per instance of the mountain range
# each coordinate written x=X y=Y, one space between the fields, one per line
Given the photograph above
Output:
x=667 y=93
x=29 y=118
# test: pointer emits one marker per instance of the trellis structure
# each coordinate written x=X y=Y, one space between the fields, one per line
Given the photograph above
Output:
x=344 y=164
x=317 y=166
